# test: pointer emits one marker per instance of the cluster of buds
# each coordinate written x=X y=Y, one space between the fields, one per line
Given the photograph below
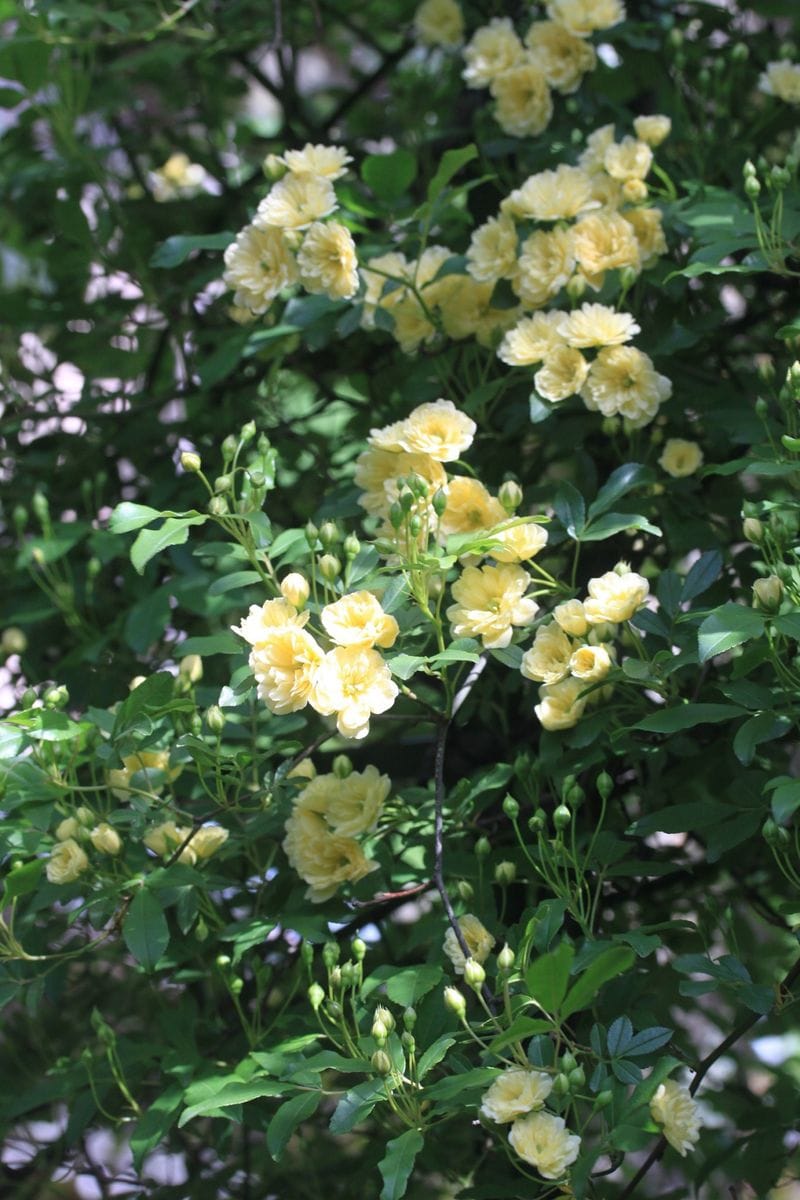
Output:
x=248 y=472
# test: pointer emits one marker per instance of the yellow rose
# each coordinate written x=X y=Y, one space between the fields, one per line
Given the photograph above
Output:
x=439 y=23
x=782 y=79
x=597 y=325
x=623 y=382
x=561 y=704
x=563 y=57
x=562 y=374
x=208 y=839
x=615 y=597
x=68 y=828
x=517 y=1091
x=583 y=17
x=545 y=266
x=350 y=806
x=165 y=838
x=628 y=159
x=476 y=935
x=470 y=507
x=493 y=49
x=284 y=665
x=673 y=1108
x=557 y=195
x=542 y=1140
x=153 y=768
x=653 y=130
x=327 y=261
x=358 y=620
x=105 y=839
x=296 y=202
x=492 y=252
x=323 y=859
x=354 y=682
x=680 y=457
x=263 y=619
x=547 y=661
x=490 y=601
x=590 y=663
x=66 y=862
x=258 y=265
x=437 y=430
x=327 y=161
x=523 y=103
x=571 y=617
x=519 y=543
x=531 y=339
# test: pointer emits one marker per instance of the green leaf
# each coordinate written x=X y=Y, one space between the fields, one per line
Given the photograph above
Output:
x=620 y=1035
x=434 y=1054
x=546 y=979
x=145 y=929
x=403 y=666
x=290 y=1114
x=702 y=574
x=405 y=986
x=149 y=542
x=612 y=523
x=619 y=483
x=648 y=1040
x=788 y=624
x=154 y=1124
x=626 y=1072
x=356 y=1105
x=175 y=250
x=765 y=727
x=216 y=643
x=606 y=966
x=520 y=1029
x=680 y=818
x=151 y=696
x=234 y=1092
x=22 y=879
x=230 y=583
x=570 y=509
x=389 y=175
x=686 y=716
x=729 y=626
x=398 y=1163
x=455 y=1086
x=630 y=1137
x=451 y=164
x=785 y=800
x=127 y=517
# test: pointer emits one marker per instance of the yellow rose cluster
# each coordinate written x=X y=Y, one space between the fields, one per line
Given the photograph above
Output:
x=575 y=651
x=328 y=815
x=402 y=473
x=290 y=240
x=165 y=838
x=517 y=1096
x=521 y=74
x=68 y=858
x=292 y=668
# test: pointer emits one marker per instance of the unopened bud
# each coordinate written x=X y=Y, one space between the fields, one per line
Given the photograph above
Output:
x=329 y=567
x=13 y=641
x=793 y=380
x=312 y=533
x=605 y=785
x=538 y=822
x=465 y=890
x=341 y=766
x=396 y=515
x=19 y=516
x=474 y=974
x=561 y=1084
x=576 y=286
x=295 y=589
x=381 y=1063
x=576 y=795
x=455 y=1001
x=316 y=995
x=740 y=52
x=409 y=1018
x=603 y=1099
x=218 y=506
x=505 y=959
x=215 y=718
x=191 y=668
x=407 y=1041
x=336 y=977
x=41 y=509
x=383 y=1015
x=307 y=952
x=328 y=534
x=767 y=594
x=577 y=1077
x=752 y=187
x=482 y=848
x=358 y=949
x=274 y=168
x=223 y=961
x=415 y=525
x=351 y=546
x=769 y=831
x=511 y=808
x=334 y=1010
x=222 y=484
x=505 y=873
x=248 y=432
x=568 y=1061
x=752 y=529
x=510 y=495
x=562 y=817
x=257 y=479
x=191 y=462
x=330 y=954
x=439 y=502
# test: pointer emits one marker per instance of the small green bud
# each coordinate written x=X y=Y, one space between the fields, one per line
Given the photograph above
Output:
x=335 y=977
x=359 y=949
x=316 y=995
x=568 y=1062
x=328 y=534
x=13 y=640
x=605 y=785
x=218 y=506
x=767 y=594
x=538 y=822
x=753 y=530
x=465 y=890
x=793 y=380
x=396 y=515
x=740 y=52
x=409 y=1018
x=330 y=954
x=474 y=974
x=40 y=506
x=223 y=961
x=20 y=517
x=379 y=1032
x=334 y=1010
x=383 y=1015
x=263 y=444
x=407 y=1041
x=455 y=1002
x=228 y=447
x=603 y=1099
x=675 y=37
x=576 y=287
x=215 y=718
x=28 y=698
x=381 y=1063
x=201 y=930
x=248 y=432
x=510 y=495
x=222 y=483
x=191 y=462
x=330 y=568
x=93 y=567
x=576 y=796
x=274 y=168
x=562 y=817
x=769 y=831
x=312 y=533
x=577 y=1077
x=505 y=873
x=351 y=546
x=752 y=187
x=56 y=697
x=511 y=808
x=505 y=960
x=307 y=952
x=561 y=1084
x=407 y=500
x=482 y=847
x=415 y=525
x=236 y=986
x=439 y=502
x=342 y=766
